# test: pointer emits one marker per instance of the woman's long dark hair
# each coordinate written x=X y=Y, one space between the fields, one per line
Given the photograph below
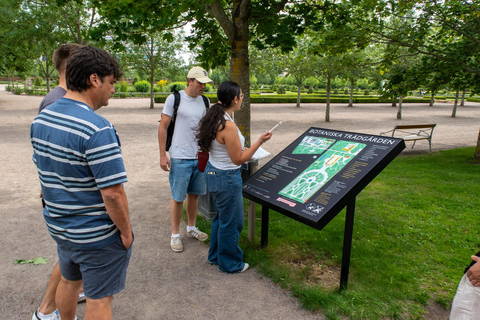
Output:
x=214 y=119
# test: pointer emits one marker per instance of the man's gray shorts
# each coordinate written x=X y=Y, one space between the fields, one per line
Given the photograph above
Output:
x=103 y=270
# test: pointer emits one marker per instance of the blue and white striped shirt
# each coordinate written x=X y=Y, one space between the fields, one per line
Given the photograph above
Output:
x=77 y=153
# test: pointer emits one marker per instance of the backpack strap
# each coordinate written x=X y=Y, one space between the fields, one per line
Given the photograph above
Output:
x=207 y=103
x=176 y=95
x=171 y=126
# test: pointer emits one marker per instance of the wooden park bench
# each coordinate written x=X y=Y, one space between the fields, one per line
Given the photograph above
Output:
x=413 y=132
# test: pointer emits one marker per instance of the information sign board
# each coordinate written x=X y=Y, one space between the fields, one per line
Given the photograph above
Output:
x=318 y=174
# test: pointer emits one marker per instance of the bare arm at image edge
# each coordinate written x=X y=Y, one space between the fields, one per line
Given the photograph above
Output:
x=162 y=141
x=473 y=273
x=115 y=200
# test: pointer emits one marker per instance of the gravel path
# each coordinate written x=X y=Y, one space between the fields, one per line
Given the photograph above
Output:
x=162 y=284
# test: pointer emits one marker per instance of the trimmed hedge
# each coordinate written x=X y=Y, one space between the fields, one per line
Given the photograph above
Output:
x=257 y=98
x=162 y=97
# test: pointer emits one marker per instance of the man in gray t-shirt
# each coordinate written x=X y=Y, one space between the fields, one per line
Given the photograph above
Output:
x=186 y=182
x=57 y=93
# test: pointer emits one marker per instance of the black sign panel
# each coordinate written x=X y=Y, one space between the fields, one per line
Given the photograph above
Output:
x=322 y=171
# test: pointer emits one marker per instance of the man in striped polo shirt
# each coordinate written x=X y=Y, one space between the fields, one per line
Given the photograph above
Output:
x=81 y=171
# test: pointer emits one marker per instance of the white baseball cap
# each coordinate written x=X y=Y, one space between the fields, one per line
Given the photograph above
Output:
x=200 y=74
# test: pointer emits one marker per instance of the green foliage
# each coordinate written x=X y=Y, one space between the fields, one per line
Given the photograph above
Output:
x=366 y=93
x=281 y=90
x=38 y=81
x=135 y=79
x=180 y=86
x=34 y=261
x=310 y=91
x=122 y=87
x=142 y=86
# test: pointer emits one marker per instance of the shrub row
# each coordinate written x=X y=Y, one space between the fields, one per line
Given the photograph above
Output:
x=256 y=98
x=473 y=99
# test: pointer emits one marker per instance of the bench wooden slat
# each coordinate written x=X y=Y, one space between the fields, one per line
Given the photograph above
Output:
x=414 y=126
x=425 y=132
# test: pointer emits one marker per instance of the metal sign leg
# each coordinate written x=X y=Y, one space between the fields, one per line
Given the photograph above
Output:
x=264 y=235
x=347 y=244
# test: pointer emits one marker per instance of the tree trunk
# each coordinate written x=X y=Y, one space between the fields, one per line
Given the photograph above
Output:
x=462 y=103
x=152 y=72
x=432 y=99
x=327 y=108
x=350 y=101
x=298 y=94
x=454 y=111
x=394 y=102
x=238 y=34
x=477 y=149
x=12 y=78
x=152 y=93
x=47 y=72
x=400 y=104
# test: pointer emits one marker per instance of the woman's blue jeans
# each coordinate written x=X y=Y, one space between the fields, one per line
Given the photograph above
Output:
x=226 y=189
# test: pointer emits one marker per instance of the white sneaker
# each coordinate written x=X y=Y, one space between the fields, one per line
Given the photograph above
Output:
x=245 y=268
x=52 y=316
x=81 y=297
x=176 y=244
x=197 y=234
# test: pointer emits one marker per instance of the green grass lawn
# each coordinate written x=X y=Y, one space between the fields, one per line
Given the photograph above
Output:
x=416 y=225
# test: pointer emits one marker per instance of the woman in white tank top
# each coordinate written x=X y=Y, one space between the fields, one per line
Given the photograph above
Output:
x=219 y=135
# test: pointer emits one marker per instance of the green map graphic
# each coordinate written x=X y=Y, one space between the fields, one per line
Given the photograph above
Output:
x=313 y=145
x=322 y=170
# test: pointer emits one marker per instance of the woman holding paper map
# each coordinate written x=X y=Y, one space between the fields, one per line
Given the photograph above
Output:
x=219 y=135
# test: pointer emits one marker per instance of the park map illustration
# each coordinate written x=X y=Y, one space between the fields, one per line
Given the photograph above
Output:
x=334 y=156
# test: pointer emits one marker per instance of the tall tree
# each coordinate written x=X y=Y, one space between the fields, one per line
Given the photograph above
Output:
x=222 y=28
x=16 y=53
x=42 y=27
x=159 y=52
x=445 y=30
x=298 y=64
x=356 y=64
x=328 y=66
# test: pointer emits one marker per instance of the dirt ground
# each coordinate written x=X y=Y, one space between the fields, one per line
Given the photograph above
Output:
x=162 y=284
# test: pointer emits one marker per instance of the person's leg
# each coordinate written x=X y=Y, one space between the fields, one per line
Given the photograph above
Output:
x=229 y=203
x=66 y=298
x=176 y=209
x=213 y=250
x=66 y=295
x=196 y=186
x=213 y=183
x=48 y=304
x=99 y=309
x=192 y=207
x=179 y=178
x=104 y=273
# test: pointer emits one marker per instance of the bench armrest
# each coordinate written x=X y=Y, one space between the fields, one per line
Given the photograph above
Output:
x=385 y=133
